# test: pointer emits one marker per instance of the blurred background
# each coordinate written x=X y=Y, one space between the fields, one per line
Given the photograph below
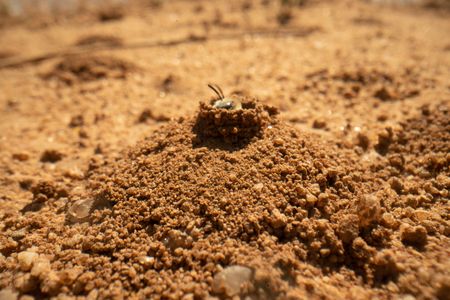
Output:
x=27 y=7
x=32 y=7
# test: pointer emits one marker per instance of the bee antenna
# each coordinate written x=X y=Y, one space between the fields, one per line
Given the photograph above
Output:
x=217 y=90
x=220 y=90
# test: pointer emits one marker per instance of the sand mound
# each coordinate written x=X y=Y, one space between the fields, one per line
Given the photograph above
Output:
x=197 y=197
x=89 y=68
x=244 y=205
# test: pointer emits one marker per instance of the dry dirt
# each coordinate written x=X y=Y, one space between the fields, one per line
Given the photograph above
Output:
x=120 y=180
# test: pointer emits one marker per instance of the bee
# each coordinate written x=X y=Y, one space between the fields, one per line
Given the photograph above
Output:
x=224 y=102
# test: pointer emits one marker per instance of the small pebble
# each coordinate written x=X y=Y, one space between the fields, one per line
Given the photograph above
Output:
x=319 y=124
x=26 y=260
x=230 y=280
x=146 y=261
x=21 y=156
x=81 y=209
x=278 y=142
x=258 y=187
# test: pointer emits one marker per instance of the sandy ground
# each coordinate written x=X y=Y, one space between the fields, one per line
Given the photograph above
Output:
x=111 y=187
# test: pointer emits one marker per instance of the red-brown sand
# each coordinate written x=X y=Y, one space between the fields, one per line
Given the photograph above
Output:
x=119 y=179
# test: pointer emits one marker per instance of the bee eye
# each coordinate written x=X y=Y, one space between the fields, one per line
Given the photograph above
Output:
x=229 y=105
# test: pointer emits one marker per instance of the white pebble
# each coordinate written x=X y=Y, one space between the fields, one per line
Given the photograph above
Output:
x=230 y=280
x=258 y=187
x=26 y=260
x=80 y=209
x=146 y=261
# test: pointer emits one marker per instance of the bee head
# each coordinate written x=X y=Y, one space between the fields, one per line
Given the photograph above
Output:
x=222 y=102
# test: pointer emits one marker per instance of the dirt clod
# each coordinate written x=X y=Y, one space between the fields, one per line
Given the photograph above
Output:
x=98 y=40
x=413 y=235
x=51 y=156
x=76 y=121
x=22 y=156
x=148 y=114
x=348 y=228
x=112 y=13
x=284 y=17
x=89 y=68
